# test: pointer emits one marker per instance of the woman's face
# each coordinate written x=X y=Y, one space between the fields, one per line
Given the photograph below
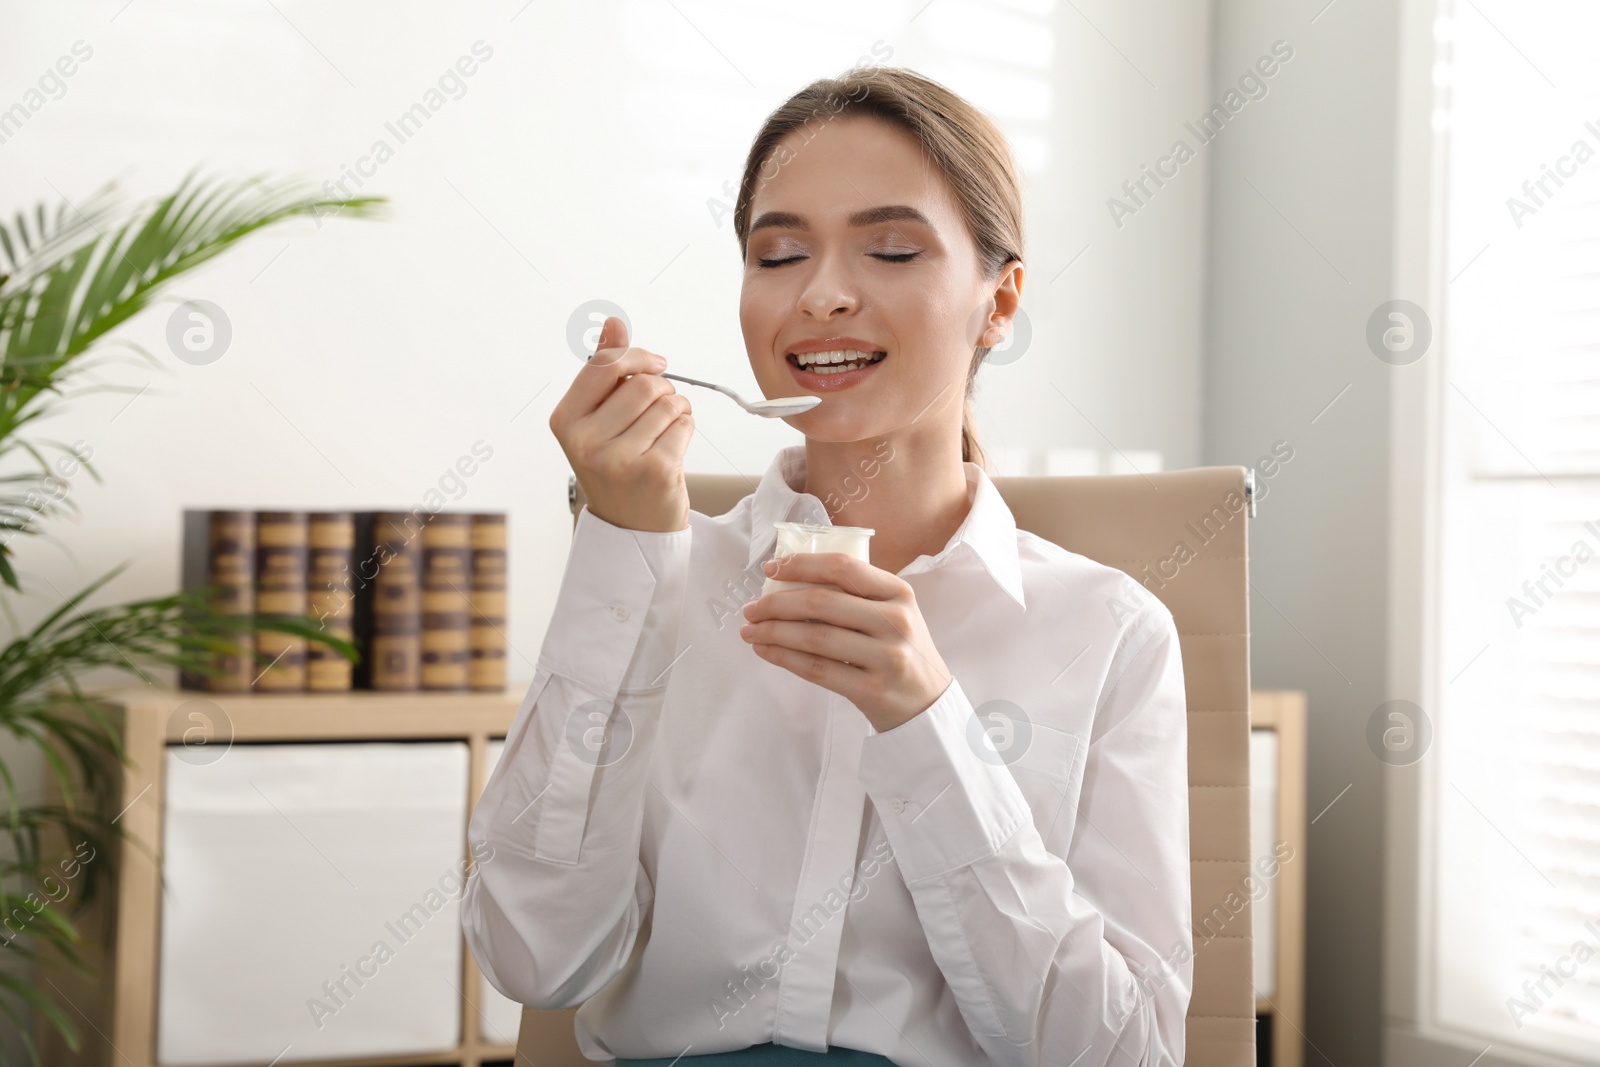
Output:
x=856 y=235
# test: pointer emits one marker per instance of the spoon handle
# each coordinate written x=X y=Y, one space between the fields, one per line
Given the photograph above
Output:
x=708 y=385
x=691 y=381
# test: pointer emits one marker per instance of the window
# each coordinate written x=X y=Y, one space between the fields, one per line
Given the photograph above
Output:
x=1513 y=791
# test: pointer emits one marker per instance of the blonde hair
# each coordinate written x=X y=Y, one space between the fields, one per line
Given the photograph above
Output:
x=966 y=146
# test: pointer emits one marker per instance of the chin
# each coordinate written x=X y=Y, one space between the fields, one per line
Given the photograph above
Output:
x=833 y=435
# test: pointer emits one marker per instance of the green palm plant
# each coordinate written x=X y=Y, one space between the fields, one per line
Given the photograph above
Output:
x=68 y=279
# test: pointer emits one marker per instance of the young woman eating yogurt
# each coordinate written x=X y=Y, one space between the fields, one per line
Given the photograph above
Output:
x=930 y=808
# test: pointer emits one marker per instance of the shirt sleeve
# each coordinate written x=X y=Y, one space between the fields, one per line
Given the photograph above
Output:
x=557 y=892
x=1040 y=950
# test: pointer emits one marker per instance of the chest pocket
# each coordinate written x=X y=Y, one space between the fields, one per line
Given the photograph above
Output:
x=1050 y=774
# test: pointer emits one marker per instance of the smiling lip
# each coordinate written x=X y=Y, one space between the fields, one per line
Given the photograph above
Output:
x=834 y=344
x=829 y=383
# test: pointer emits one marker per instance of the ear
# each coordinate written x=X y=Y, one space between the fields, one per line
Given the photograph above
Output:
x=1007 y=295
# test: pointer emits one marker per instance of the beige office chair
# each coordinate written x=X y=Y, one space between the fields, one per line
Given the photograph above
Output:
x=1183 y=534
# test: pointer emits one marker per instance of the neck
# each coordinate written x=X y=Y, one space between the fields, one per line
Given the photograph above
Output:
x=911 y=488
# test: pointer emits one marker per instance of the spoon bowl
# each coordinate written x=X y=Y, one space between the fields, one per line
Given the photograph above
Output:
x=777 y=408
x=782 y=406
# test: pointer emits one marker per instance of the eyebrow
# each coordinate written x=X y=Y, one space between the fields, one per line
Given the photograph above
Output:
x=893 y=213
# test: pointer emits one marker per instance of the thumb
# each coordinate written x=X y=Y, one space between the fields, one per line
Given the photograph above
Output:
x=613 y=334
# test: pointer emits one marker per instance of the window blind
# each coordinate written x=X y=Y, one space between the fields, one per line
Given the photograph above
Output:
x=1515 y=786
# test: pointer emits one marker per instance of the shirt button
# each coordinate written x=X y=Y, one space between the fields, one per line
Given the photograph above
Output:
x=619 y=613
x=897 y=805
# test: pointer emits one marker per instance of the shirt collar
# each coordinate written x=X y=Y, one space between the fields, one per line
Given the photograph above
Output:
x=989 y=530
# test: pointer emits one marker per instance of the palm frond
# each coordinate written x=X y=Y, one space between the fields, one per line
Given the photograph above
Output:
x=69 y=277
x=75 y=275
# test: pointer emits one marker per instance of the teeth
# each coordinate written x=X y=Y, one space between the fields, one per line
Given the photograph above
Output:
x=834 y=362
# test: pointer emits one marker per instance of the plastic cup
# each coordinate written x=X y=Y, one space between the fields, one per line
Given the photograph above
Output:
x=814 y=537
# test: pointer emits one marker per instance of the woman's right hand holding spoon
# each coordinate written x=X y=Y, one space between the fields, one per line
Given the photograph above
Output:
x=625 y=429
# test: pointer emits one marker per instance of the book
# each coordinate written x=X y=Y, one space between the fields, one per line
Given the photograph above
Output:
x=363 y=574
x=280 y=578
x=219 y=551
x=421 y=596
x=389 y=600
x=487 y=635
x=446 y=579
x=331 y=536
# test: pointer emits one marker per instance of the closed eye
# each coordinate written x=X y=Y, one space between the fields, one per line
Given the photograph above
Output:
x=890 y=257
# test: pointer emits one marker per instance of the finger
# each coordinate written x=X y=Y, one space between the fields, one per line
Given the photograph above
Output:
x=593 y=386
x=829 y=674
x=642 y=435
x=674 y=440
x=626 y=403
x=611 y=344
x=611 y=364
x=821 y=603
x=817 y=638
x=853 y=575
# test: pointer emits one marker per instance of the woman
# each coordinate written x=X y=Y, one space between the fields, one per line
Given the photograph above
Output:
x=932 y=809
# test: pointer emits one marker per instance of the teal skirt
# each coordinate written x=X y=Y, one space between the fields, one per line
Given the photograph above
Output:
x=768 y=1055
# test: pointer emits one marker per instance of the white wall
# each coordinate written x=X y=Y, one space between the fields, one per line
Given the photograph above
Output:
x=1300 y=253
x=366 y=357
x=578 y=164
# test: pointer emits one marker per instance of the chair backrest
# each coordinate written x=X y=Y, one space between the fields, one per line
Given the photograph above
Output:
x=1183 y=535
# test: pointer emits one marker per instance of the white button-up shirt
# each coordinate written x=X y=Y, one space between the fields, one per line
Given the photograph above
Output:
x=1003 y=879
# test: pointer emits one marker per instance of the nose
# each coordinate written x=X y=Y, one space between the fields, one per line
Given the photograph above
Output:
x=829 y=290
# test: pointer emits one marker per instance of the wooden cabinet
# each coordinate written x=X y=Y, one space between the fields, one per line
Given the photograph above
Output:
x=1278 y=852
x=300 y=833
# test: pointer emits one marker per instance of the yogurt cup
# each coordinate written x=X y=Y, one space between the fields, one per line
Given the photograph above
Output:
x=814 y=537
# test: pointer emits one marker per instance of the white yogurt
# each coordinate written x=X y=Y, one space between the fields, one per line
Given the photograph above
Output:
x=813 y=537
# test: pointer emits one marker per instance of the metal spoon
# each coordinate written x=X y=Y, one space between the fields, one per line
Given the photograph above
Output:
x=772 y=409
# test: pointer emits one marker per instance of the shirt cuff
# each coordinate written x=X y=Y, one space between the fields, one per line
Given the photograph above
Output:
x=943 y=806
x=615 y=621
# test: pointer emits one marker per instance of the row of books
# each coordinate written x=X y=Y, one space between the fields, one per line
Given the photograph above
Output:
x=421 y=595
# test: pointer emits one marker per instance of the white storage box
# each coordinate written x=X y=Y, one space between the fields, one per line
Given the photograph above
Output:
x=312 y=902
x=1264 y=838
